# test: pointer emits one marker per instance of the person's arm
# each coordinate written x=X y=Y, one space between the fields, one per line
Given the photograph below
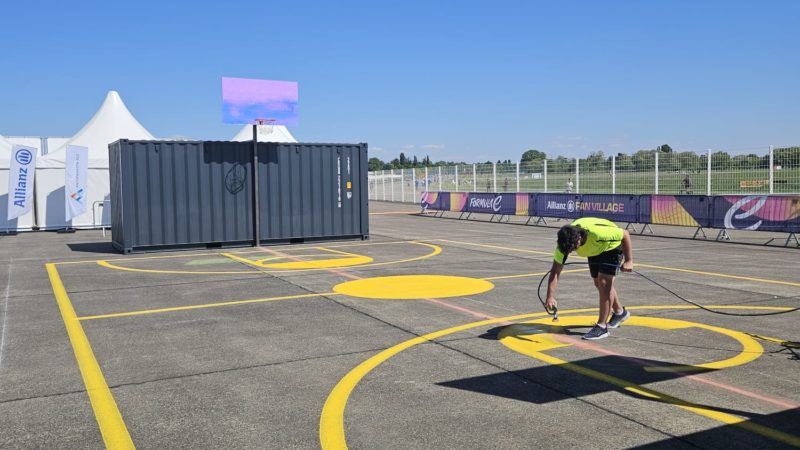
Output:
x=552 y=284
x=627 y=252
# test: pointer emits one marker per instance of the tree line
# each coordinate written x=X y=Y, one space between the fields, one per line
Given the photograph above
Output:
x=640 y=161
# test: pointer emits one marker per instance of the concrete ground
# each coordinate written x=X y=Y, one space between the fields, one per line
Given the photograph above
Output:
x=374 y=344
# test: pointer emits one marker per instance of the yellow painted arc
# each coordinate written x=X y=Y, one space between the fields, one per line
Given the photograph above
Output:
x=322 y=263
x=109 y=265
x=413 y=287
x=331 y=425
x=112 y=427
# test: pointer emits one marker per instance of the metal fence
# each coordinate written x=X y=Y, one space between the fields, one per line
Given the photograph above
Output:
x=775 y=171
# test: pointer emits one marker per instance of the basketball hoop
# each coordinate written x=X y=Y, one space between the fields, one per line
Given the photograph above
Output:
x=265 y=125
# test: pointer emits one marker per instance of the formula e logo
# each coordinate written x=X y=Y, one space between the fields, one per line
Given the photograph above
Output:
x=235 y=179
x=24 y=156
x=754 y=208
x=486 y=203
x=571 y=206
x=77 y=196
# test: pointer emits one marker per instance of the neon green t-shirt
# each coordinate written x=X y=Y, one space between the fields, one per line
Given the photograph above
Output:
x=602 y=235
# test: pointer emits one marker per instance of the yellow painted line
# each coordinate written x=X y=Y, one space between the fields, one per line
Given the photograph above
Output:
x=782 y=342
x=108 y=265
x=249 y=262
x=112 y=427
x=331 y=425
x=649 y=266
x=203 y=306
x=339 y=252
x=634 y=388
x=524 y=275
x=721 y=275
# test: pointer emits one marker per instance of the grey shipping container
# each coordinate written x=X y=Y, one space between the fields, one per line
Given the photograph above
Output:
x=168 y=195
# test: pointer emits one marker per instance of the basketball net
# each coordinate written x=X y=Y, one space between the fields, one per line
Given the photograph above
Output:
x=265 y=125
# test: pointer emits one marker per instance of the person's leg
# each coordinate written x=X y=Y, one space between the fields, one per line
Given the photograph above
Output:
x=605 y=284
x=616 y=305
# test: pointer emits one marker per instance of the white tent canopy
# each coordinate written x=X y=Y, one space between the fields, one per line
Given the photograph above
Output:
x=110 y=123
x=266 y=133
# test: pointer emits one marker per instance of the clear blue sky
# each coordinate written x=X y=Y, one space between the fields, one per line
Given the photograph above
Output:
x=466 y=80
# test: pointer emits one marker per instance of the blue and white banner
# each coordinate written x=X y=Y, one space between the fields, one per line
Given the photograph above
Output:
x=20 y=180
x=76 y=172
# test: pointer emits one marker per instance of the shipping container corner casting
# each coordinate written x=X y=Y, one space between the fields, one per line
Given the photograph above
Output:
x=200 y=194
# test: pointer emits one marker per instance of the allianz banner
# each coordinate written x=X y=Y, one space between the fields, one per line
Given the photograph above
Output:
x=20 y=181
x=558 y=205
x=616 y=207
x=757 y=212
x=492 y=203
x=439 y=201
x=684 y=210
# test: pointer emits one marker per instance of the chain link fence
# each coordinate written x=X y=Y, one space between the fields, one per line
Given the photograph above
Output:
x=775 y=171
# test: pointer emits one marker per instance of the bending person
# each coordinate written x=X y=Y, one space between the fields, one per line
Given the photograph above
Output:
x=604 y=243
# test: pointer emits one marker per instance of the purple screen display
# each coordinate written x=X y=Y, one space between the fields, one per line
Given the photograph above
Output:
x=246 y=100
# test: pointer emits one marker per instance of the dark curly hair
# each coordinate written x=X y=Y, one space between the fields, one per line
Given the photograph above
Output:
x=567 y=236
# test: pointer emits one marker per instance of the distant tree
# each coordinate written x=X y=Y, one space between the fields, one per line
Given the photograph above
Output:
x=665 y=148
x=532 y=155
x=624 y=162
x=375 y=164
x=787 y=157
x=415 y=163
x=644 y=160
x=720 y=160
x=395 y=164
x=403 y=159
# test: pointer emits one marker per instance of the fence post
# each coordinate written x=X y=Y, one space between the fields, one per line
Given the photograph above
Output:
x=474 y=179
x=391 y=182
x=494 y=177
x=771 y=169
x=457 y=179
x=545 y=174
x=426 y=178
x=402 y=187
x=656 y=172
x=613 y=174
x=383 y=183
x=517 y=176
x=414 y=184
x=577 y=177
x=708 y=170
x=440 y=179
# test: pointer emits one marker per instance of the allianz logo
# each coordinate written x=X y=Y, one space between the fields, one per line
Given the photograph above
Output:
x=486 y=203
x=562 y=206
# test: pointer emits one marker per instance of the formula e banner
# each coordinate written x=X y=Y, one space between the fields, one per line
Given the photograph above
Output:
x=685 y=210
x=558 y=205
x=75 y=173
x=491 y=203
x=616 y=207
x=20 y=180
x=757 y=212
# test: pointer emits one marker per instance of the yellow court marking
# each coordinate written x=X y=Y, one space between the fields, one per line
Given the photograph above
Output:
x=112 y=427
x=525 y=275
x=413 y=287
x=331 y=425
x=751 y=349
x=203 y=306
x=105 y=263
x=636 y=264
x=634 y=388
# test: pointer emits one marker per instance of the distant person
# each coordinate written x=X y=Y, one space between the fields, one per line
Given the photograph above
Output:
x=505 y=185
x=687 y=184
x=568 y=187
x=488 y=186
x=604 y=244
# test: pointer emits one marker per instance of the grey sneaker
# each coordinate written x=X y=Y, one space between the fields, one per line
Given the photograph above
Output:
x=597 y=332
x=617 y=319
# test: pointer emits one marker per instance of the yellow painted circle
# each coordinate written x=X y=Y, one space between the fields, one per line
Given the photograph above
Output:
x=413 y=287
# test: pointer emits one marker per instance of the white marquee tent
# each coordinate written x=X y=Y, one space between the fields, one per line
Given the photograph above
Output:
x=266 y=133
x=110 y=123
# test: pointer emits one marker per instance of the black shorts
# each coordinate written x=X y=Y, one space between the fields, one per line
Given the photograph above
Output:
x=606 y=262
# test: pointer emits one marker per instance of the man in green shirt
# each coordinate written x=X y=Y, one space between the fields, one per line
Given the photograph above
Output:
x=603 y=243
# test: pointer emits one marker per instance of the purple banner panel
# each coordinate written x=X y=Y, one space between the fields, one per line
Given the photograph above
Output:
x=616 y=207
x=685 y=210
x=246 y=101
x=757 y=212
x=438 y=201
x=558 y=205
x=489 y=203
